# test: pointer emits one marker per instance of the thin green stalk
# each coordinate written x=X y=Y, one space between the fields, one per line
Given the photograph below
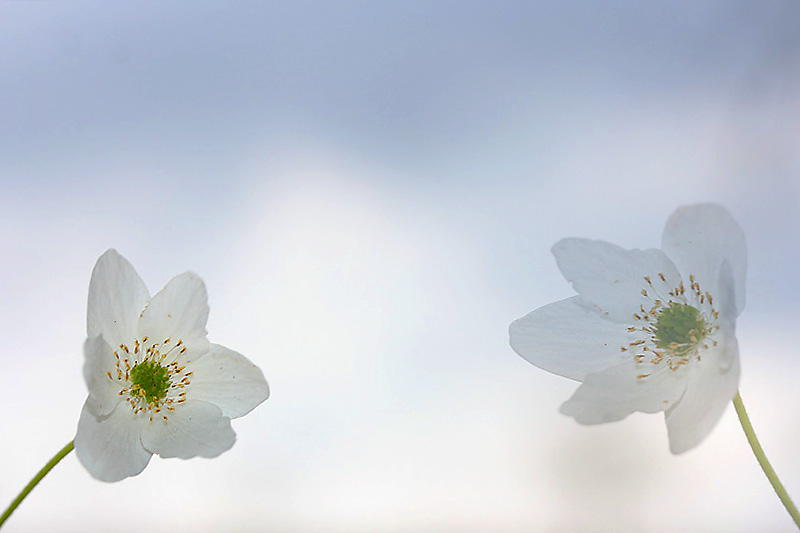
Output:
x=763 y=461
x=35 y=481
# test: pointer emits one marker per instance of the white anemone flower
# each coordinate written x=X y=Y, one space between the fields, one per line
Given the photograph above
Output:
x=156 y=385
x=650 y=330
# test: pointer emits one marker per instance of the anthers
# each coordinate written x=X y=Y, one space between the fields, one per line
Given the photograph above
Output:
x=152 y=379
x=672 y=326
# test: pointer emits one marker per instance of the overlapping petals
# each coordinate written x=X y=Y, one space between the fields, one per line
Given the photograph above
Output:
x=613 y=336
x=180 y=401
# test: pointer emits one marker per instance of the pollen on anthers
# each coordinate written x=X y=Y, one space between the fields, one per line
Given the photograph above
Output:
x=151 y=378
x=673 y=328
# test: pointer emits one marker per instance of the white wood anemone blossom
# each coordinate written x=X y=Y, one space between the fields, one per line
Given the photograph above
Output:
x=156 y=384
x=650 y=330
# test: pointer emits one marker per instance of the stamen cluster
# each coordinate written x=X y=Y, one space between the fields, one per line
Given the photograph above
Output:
x=674 y=328
x=151 y=378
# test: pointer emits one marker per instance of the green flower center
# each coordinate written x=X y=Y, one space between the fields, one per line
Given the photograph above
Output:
x=679 y=328
x=149 y=380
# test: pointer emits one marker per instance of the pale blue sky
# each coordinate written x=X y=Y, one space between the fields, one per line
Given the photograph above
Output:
x=370 y=191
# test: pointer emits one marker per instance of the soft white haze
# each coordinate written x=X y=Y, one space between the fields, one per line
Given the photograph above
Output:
x=370 y=191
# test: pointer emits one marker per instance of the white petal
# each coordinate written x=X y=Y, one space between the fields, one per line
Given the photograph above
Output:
x=713 y=382
x=610 y=277
x=699 y=238
x=227 y=379
x=99 y=360
x=178 y=311
x=570 y=339
x=616 y=392
x=116 y=297
x=727 y=317
x=193 y=428
x=109 y=447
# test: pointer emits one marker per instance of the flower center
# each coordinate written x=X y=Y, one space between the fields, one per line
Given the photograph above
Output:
x=679 y=328
x=675 y=326
x=149 y=379
x=150 y=376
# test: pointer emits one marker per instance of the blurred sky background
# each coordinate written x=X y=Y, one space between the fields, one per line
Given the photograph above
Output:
x=370 y=191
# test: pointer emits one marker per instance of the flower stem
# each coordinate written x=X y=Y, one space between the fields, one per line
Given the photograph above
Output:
x=35 y=481
x=763 y=461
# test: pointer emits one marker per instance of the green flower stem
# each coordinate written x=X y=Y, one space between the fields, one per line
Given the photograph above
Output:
x=35 y=481
x=763 y=461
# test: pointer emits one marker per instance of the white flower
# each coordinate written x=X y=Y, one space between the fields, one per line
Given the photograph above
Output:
x=156 y=385
x=650 y=330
